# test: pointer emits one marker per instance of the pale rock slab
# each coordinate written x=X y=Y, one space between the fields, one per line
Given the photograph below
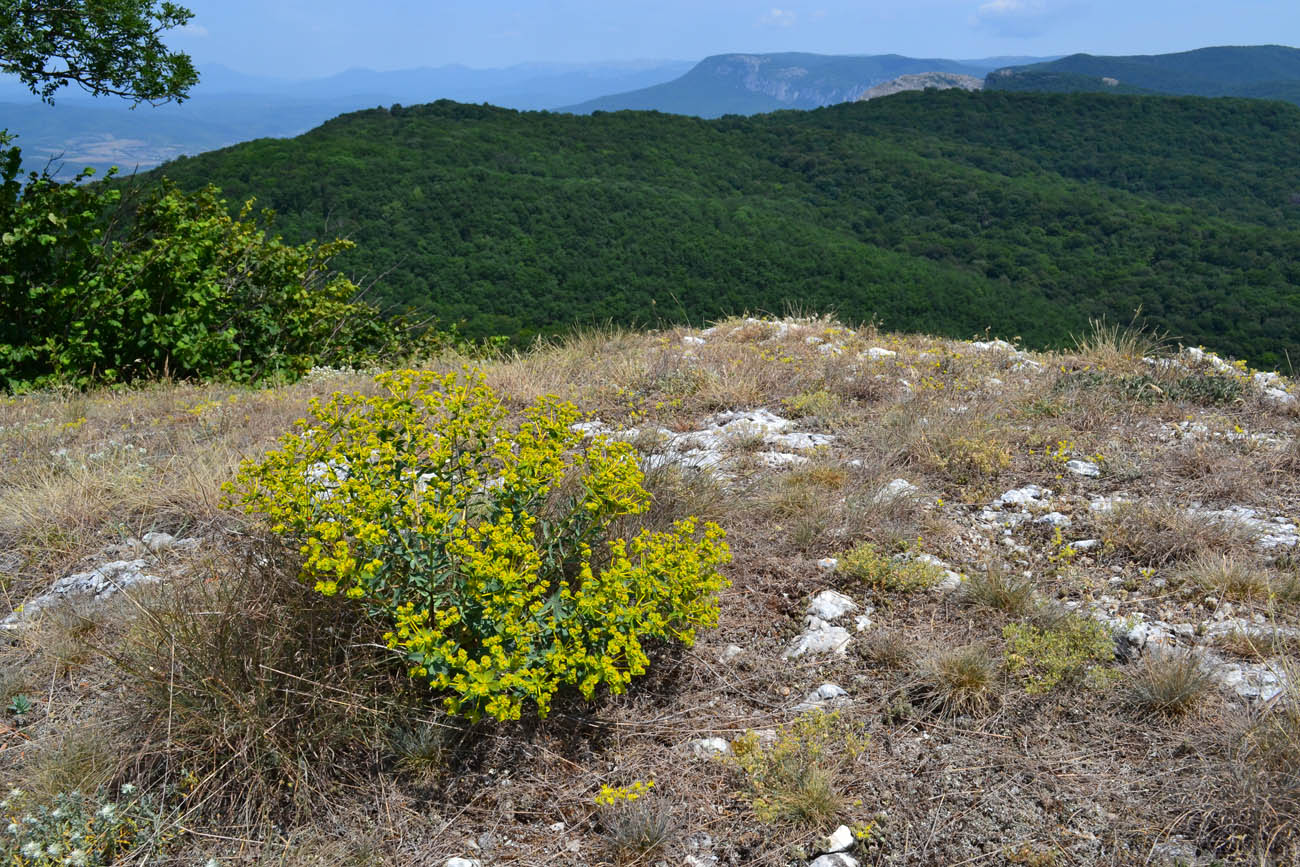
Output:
x=839 y=840
x=1083 y=468
x=834 y=859
x=827 y=693
x=831 y=605
x=706 y=748
x=820 y=637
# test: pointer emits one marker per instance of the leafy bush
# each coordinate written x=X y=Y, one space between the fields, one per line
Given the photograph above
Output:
x=798 y=778
x=182 y=288
x=969 y=460
x=1069 y=650
x=882 y=572
x=486 y=545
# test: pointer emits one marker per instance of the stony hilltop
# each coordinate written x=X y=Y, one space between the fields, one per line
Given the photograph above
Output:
x=987 y=606
x=924 y=81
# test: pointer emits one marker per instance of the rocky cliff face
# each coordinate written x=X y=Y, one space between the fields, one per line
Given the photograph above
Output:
x=922 y=81
x=811 y=81
x=793 y=84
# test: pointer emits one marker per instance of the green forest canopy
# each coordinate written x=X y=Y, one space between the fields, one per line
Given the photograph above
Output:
x=946 y=212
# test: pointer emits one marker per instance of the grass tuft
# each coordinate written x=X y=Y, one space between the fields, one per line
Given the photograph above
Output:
x=961 y=681
x=995 y=589
x=1168 y=685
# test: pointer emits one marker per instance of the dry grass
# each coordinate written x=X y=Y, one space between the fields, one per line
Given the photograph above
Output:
x=1169 y=685
x=1226 y=575
x=638 y=832
x=290 y=738
x=959 y=682
x=1159 y=533
x=1115 y=347
x=1248 y=803
x=257 y=689
x=885 y=648
x=995 y=589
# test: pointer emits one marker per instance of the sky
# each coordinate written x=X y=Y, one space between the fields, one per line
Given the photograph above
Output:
x=309 y=38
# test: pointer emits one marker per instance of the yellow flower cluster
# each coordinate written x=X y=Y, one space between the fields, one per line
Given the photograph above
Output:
x=611 y=795
x=485 y=543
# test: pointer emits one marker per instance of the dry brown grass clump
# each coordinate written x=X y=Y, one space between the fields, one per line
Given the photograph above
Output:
x=961 y=681
x=1226 y=575
x=996 y=589
x=1114 y=347
x=639 y=831
x=885 y=648
x=1248 y=803
x=1159 y=533
x=1168 y=685
x=259 y=691
x=1259 y=644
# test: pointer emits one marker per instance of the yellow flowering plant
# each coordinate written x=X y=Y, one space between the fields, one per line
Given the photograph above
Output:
x=486 y=544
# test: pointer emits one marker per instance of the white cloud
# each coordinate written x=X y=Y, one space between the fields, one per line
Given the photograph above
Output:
x=1019 y=18
x=778 y=18
x=192 y=30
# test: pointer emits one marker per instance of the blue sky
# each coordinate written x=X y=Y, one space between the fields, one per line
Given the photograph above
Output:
x=302 y=38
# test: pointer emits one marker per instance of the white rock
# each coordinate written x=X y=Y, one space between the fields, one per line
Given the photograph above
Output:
x=1083 y=468
x=462 y=862
x=839 y=840
x=705 y=748
x=556 y=827
x=1029 y=495
x=949 y=582
x=830 y=605
x=780 y=459
x=835 y=859
x=1278 y=396
x=692 y=340
x=94 y=586
x=731 y=652
x=862 y=623
x=1269 y=533
x=1055 y=519
x=988 y=345
x=820 y=637
x=827 y=693
x=1198 y=355
x=877 y=353
x=1085 y=544
x=828 y=564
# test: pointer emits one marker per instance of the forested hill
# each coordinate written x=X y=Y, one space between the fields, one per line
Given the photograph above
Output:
x=1256 y=71
x=947 y=212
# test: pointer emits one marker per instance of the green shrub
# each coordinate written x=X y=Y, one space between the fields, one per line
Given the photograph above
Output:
x=882 y=572
x=486 y=545
x=797 y=779
x=178 y=287
x=1068 y=650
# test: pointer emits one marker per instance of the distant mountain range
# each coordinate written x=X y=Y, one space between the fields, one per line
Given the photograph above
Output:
x=1257 y=71
x=756 y=83
x=229 y=107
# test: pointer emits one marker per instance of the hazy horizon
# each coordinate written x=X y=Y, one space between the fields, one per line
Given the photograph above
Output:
x=297 y=39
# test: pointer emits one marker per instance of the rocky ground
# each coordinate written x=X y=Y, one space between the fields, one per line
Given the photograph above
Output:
x=987 y=606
